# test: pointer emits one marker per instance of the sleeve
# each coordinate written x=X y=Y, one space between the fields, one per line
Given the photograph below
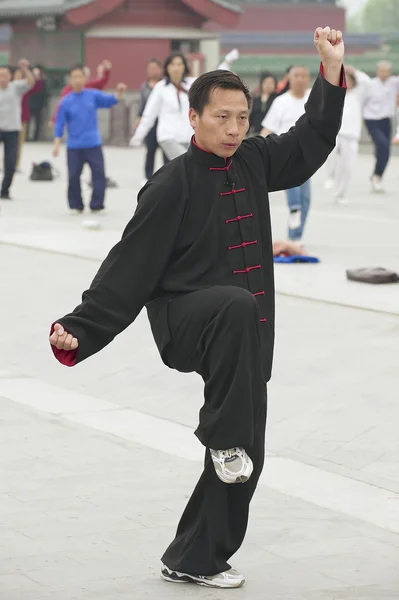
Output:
x=292 y=158
x=129 y=275
x=143 y=101
x=60 y=121
x=363 y=81
x=150 y=114
x=21 y=86
x=104 y=100
x=272 y=118
x=99 y=84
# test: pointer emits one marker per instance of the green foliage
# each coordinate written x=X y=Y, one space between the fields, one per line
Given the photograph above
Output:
x=381 y=15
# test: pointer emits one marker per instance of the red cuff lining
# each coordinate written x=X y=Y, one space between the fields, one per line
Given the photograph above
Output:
x=65 y=357
x=342 y=81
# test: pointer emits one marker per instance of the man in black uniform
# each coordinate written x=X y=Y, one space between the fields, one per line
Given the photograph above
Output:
x=198 y=254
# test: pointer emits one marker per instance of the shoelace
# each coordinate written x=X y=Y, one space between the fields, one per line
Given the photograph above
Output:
x=229 y=453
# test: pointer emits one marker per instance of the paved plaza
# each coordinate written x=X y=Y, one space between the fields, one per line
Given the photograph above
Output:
x=97 y=462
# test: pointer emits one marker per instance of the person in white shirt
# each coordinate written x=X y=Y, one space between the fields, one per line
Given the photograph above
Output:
x=168 y=102
x=379 y=109
x=283 y=114
x=342 y=160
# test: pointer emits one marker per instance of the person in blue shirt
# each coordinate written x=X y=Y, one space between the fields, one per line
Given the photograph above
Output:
x=78 y=112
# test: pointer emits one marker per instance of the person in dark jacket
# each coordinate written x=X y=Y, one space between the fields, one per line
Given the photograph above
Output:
x=198 y=254
x=37 y=104
x=154 y=74
x=262 y=102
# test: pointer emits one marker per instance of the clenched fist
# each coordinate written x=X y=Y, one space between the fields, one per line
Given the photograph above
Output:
x=63 y=340
x=329 y=45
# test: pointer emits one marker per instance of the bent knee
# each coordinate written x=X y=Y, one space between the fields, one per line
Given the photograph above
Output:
x=239 y=301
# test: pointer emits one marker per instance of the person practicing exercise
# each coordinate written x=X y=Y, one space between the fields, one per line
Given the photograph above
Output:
x=78 y=111
x=198 y=254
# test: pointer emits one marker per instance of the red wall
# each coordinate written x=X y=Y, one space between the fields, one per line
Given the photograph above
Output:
x=154 y=13
x=287 y=18
x=128 y=56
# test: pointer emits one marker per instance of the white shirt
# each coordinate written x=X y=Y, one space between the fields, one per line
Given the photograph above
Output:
x=284 y=112
x=170 y=107
x=10 y=104
x=352 y=116
x=380 y=100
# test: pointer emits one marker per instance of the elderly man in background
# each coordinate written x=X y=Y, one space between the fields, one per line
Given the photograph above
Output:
x=379 y=109
x=11 y=93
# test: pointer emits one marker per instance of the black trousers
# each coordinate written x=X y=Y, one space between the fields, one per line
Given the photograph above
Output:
x=36 y=119
x=10 y=140
x=77 y=157
x=215 y=332
x=152 y=146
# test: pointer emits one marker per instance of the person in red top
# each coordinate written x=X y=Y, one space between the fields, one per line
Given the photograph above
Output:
x=103 y=75
x=25 y=110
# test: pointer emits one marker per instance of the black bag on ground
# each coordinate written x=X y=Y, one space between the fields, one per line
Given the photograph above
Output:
x=43 y=171
x=372 y=275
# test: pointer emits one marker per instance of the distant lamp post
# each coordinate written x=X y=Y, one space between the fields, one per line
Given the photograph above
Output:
x=47 y=23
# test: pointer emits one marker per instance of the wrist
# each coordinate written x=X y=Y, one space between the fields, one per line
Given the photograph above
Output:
x=332 y=72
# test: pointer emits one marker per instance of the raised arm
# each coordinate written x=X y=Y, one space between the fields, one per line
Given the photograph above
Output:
x=24 y=85
x=292 y=158
x=101 y=82
x=108 y=100
x=128 y=276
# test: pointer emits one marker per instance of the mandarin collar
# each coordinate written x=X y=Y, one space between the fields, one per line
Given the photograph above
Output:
x=207 y=158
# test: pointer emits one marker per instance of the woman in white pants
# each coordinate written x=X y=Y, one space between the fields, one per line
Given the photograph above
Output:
x=342 y=161
x=168 y=102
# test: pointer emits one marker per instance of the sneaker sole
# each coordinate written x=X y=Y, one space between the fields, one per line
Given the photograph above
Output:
x=175 y=577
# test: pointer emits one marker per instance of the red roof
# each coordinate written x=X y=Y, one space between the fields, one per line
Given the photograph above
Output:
x=218 y=11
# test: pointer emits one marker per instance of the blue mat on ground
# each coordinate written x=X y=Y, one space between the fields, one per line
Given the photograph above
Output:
x=296 y=258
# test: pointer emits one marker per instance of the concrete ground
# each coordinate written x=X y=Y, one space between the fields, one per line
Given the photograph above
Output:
x=97 y=462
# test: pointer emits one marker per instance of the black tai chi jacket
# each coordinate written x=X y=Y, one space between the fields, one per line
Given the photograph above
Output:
x=203 y=221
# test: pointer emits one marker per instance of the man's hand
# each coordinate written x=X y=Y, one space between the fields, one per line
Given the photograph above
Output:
x=56 y=148
x=120 y=90
x=331 y=49
x=395 y=140
x=107 y=64
x=24 y=64
x=63 y=340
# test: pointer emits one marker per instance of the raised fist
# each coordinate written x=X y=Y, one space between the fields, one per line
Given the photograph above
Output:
x=107 y=64
x=330 y=45
x=63 y=340
x=24 y=63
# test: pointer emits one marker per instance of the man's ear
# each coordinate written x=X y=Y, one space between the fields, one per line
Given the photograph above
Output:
x=193 y=117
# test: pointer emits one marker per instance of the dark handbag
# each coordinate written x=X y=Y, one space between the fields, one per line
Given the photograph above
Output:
x=43 y=171
x=372 y=275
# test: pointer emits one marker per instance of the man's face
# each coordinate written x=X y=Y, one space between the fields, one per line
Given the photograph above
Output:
x=223 y=124
x=299 y=80
x=384 y=70
x=5 y=77
x=77 y=80
x=154 y=71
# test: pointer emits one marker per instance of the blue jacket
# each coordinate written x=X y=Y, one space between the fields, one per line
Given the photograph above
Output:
x=78 y=111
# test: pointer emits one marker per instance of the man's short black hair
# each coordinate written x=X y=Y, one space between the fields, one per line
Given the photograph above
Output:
x=200 y=91
x=76 y=68
x=154 y=60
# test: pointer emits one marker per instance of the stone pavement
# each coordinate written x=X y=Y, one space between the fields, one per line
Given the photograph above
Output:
x=97 y=462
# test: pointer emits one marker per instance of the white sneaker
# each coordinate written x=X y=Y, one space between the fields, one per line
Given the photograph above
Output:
x=328 y=184
x=294 y=219
x=74 y=212
x=376 y=185
x=227 y=579
x=233 y=465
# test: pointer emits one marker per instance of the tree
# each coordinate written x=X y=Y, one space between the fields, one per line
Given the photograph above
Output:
x=381 y=15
